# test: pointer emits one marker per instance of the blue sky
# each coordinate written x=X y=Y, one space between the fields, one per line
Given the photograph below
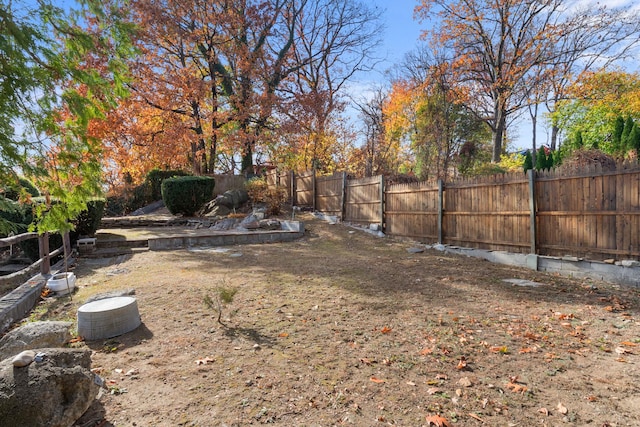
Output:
x=402 y=31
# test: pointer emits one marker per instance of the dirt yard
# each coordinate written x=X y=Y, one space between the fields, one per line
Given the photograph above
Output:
x=344 y=328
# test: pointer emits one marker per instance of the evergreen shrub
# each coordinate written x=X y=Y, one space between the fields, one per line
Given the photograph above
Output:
x=185 y=195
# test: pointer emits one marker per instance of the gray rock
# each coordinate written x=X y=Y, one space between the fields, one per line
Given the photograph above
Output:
x=250 y=222
x=23 y=359
x=53 y=393
x=34 y=335
x=415 y=250
x=148 y=209
x=225 y=224
x=270 y=224
x=217 y=211
x=630 y=263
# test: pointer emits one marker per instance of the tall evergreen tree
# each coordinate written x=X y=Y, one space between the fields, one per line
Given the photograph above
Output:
x=617 y=132
x=624 y=139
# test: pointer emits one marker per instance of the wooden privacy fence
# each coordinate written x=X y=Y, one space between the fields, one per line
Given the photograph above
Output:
x=593 y=214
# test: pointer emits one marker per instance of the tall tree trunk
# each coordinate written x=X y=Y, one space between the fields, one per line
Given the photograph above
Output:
x=498 y=135
x=554 y=136
x=534 y=124
x=200 y=155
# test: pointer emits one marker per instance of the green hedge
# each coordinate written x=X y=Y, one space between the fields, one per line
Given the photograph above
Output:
x=88 y=222
x=154 y=181
x=185 y=195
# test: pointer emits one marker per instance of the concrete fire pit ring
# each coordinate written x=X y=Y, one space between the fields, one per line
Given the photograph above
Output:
x=108 y=318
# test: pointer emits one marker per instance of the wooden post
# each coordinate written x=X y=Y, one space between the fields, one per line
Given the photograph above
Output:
x=43 y=246
x=343 y=201
x=66 y=242
x=532 y=210
x=292 y=188
x=440 y=210
x=313 y=188
x=382 y=203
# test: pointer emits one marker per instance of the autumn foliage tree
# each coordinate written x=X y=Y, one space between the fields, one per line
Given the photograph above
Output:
x=493 y=46
x=426 y=108
x=599 y=109
x=212 y=79
x=313 y=99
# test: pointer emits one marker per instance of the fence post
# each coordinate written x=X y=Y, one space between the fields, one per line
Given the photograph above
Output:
x=292 y=188
x=382 y=203
x=532 y=210
x=43 y=247
x=313 y=187
x=440 y=209
x=66 y=242
x=343 y=201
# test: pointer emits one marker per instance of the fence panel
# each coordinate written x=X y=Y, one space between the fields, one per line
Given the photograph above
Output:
x=330 y=194
x=594 y=214
x=363 y=201
x=304 y=189
x=488 y=213
x=282 y=180
x=228 y=182
x=411 y=210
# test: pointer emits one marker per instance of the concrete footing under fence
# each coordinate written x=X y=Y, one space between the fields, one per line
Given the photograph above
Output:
x=623 y=272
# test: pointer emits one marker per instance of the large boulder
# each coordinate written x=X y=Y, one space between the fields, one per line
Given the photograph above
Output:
x=53 y=392
x=34 y=335
x=225 y=203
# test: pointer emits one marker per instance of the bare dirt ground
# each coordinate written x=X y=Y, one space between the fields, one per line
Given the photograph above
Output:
x=344 y=328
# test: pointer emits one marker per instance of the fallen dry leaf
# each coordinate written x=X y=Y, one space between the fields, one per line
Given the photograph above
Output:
x=377 y=380
x=515 y=387
x=438 y=421
x=433 y=390
x=425 y=351
x=544 y=411
x=475 y=416
x=462 y=364
x=465 y=382
x=411 y=383
x=385 y=330
x=629 y=343
x=562 y=409
x=283 y=335
x=442 y=377
x=367 y=361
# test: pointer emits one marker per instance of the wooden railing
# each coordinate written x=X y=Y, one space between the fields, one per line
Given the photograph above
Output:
x=44 y=262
